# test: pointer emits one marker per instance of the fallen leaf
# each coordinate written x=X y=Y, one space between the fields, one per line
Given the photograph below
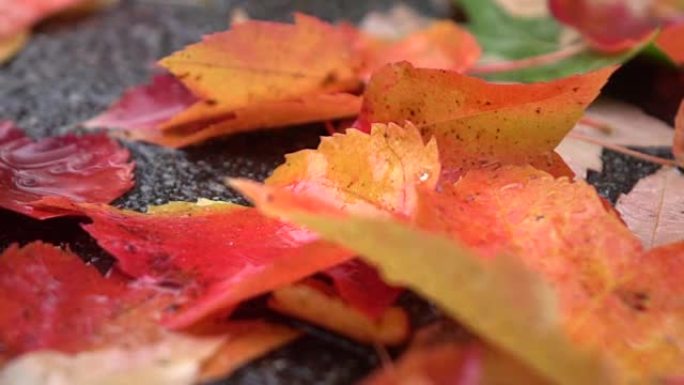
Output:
x=442 y=44
x=613 y=298
x=59 y=316
x=440 y=354
x=398 y=21
x=10 y=45
x=654 y=209
x=609 y=26
x=241 y=253
x=671 y=41
x=441 y=365
x=88 y=168
x=251 y=340
x=175 y=360
x=530 y=48
x=262 y=75
x=360 y=285
x=639 y=322
x=476 y=122
x=377 y=172
x=556 y=227
x=262 y=62
x=625 y=125
x=145 y=107
x=275 y=114
x=20 y=16
x=52 y=300
x=311 y=302
x=478 y=293
x=678 y=141
x=580 y=156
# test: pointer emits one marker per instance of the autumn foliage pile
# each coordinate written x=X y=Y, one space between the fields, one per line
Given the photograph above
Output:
x=445 y=184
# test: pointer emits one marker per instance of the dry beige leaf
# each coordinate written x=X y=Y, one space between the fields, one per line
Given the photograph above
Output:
x=581 y=156
x=678 y=142
x=654 y=209
x=525 y=8
x=175 y=360
x=628 y=126
x=395 y=23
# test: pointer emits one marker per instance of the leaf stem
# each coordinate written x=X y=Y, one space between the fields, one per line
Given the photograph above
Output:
x=623 y=150
x=511 y=65
x=596 y=124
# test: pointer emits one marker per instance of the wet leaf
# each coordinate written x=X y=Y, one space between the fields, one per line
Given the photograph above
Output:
x=241 y=253
x=377 y=172
x=52 y=300
x=476 y=292
x=89 y=168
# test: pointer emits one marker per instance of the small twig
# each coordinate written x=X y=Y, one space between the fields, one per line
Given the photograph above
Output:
x=596 y=124
x=623 y=150
x=549 y=58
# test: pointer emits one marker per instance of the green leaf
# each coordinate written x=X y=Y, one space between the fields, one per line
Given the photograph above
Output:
x=506 y=37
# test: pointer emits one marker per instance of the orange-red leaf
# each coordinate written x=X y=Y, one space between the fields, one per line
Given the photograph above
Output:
x=476 y=122
x=443 y=45
x=360 y=286
x=218 y=254
x=89 y=168
x=671 y=41
x=557 y=227
x=313 y=302
x=265 y=75
x=248 y=341
x=21 y=15
x=204 y=125
x=49 y=299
